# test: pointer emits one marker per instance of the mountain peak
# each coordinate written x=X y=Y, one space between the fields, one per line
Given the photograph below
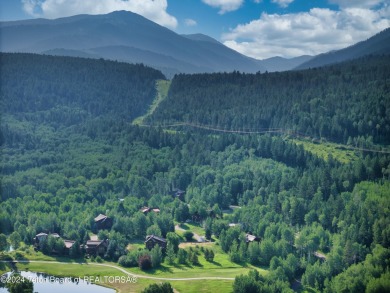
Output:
x=124 y=36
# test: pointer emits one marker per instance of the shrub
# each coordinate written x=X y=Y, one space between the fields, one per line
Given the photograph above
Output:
x=145 y=262
x=188 y=235
x=158 y=288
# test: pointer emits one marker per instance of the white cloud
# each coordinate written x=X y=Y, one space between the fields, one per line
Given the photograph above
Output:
x=224 y=5
x=357 y=3
x=283 y=3
x=313 y=32
x=190 y=22
x=154 y=10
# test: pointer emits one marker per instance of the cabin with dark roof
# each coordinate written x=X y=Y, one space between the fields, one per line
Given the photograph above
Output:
x=152 y=240
x=39 y=237
x=178 y=193
x=103 y=222
x=96 y=247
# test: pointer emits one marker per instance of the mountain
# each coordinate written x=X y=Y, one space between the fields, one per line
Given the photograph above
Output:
x=376 y=45
x=290 y=100
x=283 y=64
x=123 y=36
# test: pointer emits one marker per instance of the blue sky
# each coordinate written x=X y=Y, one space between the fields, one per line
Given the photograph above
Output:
x=257 y=28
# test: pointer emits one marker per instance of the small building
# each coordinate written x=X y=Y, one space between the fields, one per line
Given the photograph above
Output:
x=103 y=222
x=251 y=238
x=146 y=210
x=232 y=225
x=152 y=240
x=96 y=247
x=178 y=193
x=320 y=256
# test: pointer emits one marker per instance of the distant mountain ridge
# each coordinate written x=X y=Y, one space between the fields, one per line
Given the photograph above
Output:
x=129 y=37
x=376 y=45
x=124 y=36
x=283 y=64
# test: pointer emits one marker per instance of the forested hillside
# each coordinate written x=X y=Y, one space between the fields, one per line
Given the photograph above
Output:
x=72 y=90
x=340 y=103
x=69 y=153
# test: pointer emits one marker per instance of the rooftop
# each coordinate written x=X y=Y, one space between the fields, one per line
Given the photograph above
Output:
x=100 y=217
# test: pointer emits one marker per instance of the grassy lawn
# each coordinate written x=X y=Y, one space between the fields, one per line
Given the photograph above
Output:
x=203 y=286
x=136 y=245
x=193 y=227
x=91 y=270
x=323 y=150
x=221 y=267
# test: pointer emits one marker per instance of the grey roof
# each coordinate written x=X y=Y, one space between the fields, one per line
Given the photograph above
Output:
x=151 y=237
x=100 y=217
x=94 y=242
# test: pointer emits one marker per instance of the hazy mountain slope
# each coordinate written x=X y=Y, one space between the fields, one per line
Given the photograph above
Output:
x=145 y=40
x=282 y=64
x=378 y=44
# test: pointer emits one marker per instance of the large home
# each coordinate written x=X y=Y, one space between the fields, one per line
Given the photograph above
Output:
x=68 y=245
x=96 y=247
x=152 y=240
x=103 y=222
x=43 y=236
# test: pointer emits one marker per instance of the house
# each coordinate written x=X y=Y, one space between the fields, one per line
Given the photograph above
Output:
x=103 y=222
x=177 y=193
x=145 y=210
x=96 y=247
x=152 y=240
x=69 y=244
x=43 y=236
x=39 y=237
x=251 y=238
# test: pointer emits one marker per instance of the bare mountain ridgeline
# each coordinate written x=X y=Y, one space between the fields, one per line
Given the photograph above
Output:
x=77 y=161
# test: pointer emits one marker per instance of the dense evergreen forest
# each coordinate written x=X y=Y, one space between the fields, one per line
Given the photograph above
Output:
x=69 y=152
x=347 y=103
